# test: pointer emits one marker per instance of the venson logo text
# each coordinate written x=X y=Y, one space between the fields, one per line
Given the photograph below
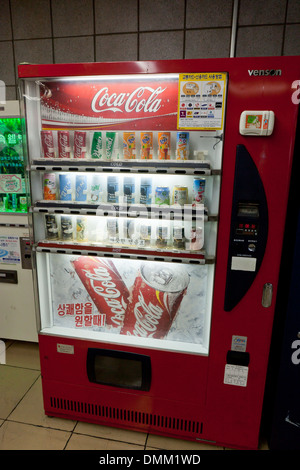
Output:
x=264 y=73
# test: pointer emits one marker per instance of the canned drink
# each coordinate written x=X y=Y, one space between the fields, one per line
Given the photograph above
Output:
x=127 y=231
x=105 y=286
x=97 y=146
x=129 y=189
x=129 y=145
x=161 y=237
x=162 y=195
x=51 y=227
x=95 y=190
x=178 y=238
x=164 y=145
x=146 y=191
x=81 y=230
x=146 y=145
x=112 y=230
x=65 y=187
x=198 y=191
x=79 y=144
x=48 y=150
x=49 y=185
x=112 y=189
x=23 y=204
x=182 y=146
x=180 y=195
x=156 y=297
x=145 y=234
x=14 y=202
x=64 y=149
x=196 y=240
x=112 y=147
x=66 y=228
x=81 y=188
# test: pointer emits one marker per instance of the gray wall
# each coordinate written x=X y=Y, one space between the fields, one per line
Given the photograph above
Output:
x=57 y=31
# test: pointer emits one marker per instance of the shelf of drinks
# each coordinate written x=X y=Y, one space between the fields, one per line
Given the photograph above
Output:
x=117 y=250
x=176 y=167
x=173 y=212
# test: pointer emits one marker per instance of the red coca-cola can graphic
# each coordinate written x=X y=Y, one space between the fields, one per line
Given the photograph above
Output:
x=79 y=144
x=64 y=150
x=105 y=287
x=48 y=150
x=155 y=299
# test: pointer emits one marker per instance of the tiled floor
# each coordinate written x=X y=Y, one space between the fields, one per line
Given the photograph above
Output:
x=23 y=424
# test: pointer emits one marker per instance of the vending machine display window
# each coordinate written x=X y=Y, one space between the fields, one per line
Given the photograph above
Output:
x=12 y=171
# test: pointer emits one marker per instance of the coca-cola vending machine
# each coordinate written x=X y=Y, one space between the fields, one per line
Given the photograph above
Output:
x=158 y=201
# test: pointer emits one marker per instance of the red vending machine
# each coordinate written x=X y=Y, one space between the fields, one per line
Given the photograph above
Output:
x=158 y=202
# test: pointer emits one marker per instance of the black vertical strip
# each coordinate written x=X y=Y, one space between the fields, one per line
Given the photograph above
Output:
x=13 y=51
x=94 y=30
x=184 y=30
x=248 y=189
x=52 y=33
x=284 y=27
x=138 y=30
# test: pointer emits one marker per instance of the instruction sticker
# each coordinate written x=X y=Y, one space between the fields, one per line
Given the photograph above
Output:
x=10 y=250
x=236 y=375
x=201 y=100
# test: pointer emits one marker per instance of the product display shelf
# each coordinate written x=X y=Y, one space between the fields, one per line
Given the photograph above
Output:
x=175 y=167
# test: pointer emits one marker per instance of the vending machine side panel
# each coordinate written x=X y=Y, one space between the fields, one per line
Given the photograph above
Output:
x=240 y=335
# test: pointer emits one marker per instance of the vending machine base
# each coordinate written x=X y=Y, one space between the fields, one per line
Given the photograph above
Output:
x=133 y=388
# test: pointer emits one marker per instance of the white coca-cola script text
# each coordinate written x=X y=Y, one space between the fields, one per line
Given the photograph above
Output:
x=143 y=98
x=103 y=285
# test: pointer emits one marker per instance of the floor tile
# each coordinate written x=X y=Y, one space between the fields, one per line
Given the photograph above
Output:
x=168 y=443
x=18 y=436
x=14 y=383
x=23 y=354
x=108 y=432
x=31 y=410
x=81 y=442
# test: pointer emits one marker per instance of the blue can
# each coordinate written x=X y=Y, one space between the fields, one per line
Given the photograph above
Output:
x=65 y=187
x=146 y=191
x=199 y=191
x=162 y=195
x=112 y=189
x=81 y=188
x=129 y=189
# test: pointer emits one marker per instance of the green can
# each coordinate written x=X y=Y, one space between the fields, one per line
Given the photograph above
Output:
x=112 y=152
x=97 y=146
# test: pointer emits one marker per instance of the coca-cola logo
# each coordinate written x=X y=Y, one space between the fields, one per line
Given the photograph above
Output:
x=102 y=284
x=147 y=317
x=48 y=145
x=143 y=98
x=64 y=146
x=79 y=145
x=126 y=103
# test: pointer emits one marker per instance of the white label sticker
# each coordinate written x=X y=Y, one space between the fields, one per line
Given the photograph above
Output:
x=238 y=343
x=241 y=263
x=65 y=348
x=236 y=375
